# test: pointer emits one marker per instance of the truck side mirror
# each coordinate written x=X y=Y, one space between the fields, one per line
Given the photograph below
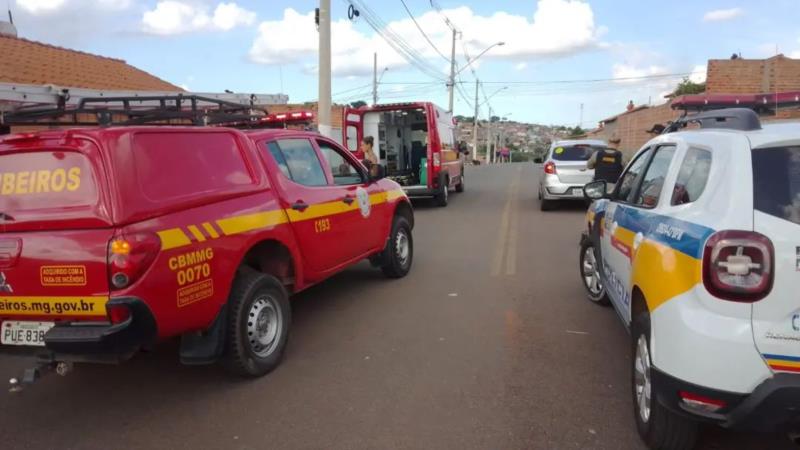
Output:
x=595 y=190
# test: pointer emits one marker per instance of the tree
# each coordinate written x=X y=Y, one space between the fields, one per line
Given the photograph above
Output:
x=689 y=87
x=577 y=131
x=358 y=104
x=494 y=119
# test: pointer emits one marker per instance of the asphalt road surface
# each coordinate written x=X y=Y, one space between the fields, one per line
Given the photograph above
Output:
x=488 y=344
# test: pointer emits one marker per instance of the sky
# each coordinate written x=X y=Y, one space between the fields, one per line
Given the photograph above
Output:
x=563 y=62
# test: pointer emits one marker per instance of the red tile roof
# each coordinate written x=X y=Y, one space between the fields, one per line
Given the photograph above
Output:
x=30 y=62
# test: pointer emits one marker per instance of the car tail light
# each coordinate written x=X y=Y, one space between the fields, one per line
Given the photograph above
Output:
x=738 y=265
x=700 y=403
x=437 y=161
x=130 y=256
x=550 y=168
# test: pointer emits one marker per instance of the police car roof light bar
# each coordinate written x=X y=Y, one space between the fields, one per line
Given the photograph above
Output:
x=742 y=119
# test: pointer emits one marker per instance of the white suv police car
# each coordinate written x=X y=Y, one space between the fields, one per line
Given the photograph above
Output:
x=698 y=250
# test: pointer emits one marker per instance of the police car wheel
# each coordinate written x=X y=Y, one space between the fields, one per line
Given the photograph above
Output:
x=399 y=251
x=258 y=324
x=590 y=274
x=658 y=427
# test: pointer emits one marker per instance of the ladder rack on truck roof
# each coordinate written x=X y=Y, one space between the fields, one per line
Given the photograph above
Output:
x=58 y=106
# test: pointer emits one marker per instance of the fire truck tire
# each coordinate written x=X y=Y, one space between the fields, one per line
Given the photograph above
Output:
x=399 y=251
x=658 y=427
x=258 y=324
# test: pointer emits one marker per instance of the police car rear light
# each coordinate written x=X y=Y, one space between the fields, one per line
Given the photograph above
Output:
x=550 y=168
x=699 y=403
x=738 y=265
x=129 y=257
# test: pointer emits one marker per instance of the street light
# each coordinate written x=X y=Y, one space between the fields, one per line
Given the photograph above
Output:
x=452 y=81
x=472 y=60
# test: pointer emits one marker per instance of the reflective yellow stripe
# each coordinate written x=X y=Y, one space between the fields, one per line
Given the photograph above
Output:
x=250 y=222
x=783 y=362
x=395 y=194
x=321 y=210
x=210 y=230
x=173 y=238
x=196 y=233
x=377 y=199
x=60 y=306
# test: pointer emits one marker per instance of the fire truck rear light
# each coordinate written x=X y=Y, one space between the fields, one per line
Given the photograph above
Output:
x=738 y=265
x=550 y=168
x=437 y=160
x=130 y=256
x=700 y=403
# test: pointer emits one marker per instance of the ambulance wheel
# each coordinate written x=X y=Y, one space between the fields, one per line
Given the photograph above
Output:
x=658 y=427
x=442 y=196
x=258 y=324
x=460 y=185
x=590 y=274
x=399 y=251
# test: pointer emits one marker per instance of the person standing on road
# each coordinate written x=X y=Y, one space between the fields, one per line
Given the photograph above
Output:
x=607 y=162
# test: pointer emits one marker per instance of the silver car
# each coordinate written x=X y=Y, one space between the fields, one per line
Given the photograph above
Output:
x=564 y=172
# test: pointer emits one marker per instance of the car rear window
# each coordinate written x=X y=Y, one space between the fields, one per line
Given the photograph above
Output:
x=173 y=166
x=575 y=152
x=776 y=182
x=42 y=180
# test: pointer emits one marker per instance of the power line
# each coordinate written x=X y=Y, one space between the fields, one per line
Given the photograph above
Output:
x=423 y=31
x=596 y=80
x=395 y=41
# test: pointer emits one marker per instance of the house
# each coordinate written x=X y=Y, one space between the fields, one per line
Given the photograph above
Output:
x=734 y=78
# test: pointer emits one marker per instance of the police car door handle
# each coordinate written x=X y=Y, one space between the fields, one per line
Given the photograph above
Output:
x=348 y=199
x=299 y=206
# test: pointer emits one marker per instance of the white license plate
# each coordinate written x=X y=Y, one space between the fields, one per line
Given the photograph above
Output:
x=16 y=332
x=577 y=192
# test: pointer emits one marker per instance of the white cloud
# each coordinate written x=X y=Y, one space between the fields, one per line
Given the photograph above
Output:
x=720 y=15
x=43 y=7
x=626 y=73
x=172 y=17
x=557 y=28
x=521 y=66
x=699 y=74
x=40 y=6
x=795 y=54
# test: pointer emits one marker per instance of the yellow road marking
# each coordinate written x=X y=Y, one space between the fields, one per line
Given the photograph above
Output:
x=196 y=233
x=506 y=246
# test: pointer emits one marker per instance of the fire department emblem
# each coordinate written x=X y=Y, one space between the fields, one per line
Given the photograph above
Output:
x=5 y=287
x=363 y=202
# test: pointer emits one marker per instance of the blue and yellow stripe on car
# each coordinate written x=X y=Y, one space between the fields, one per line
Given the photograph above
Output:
x=668 y=260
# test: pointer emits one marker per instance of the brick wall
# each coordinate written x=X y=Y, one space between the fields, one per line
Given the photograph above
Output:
x=631 y=127
x=750 y=76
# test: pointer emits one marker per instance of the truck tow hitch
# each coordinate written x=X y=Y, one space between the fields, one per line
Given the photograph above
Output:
x=33 y=374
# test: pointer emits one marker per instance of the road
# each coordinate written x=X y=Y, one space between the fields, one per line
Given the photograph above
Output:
x=487 y=344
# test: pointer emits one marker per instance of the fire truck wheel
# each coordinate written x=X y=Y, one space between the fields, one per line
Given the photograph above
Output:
x=258 y=324
x=399 y=251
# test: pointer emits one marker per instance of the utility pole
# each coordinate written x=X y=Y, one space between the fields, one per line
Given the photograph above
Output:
x=375 y=79
x=324 y=105
x=452 y=82
x=580 y=121
x=489 y=139
x=475 y=126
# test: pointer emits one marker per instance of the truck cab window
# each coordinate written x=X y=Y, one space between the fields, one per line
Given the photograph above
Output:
x=298 y=161
x=344 y=172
